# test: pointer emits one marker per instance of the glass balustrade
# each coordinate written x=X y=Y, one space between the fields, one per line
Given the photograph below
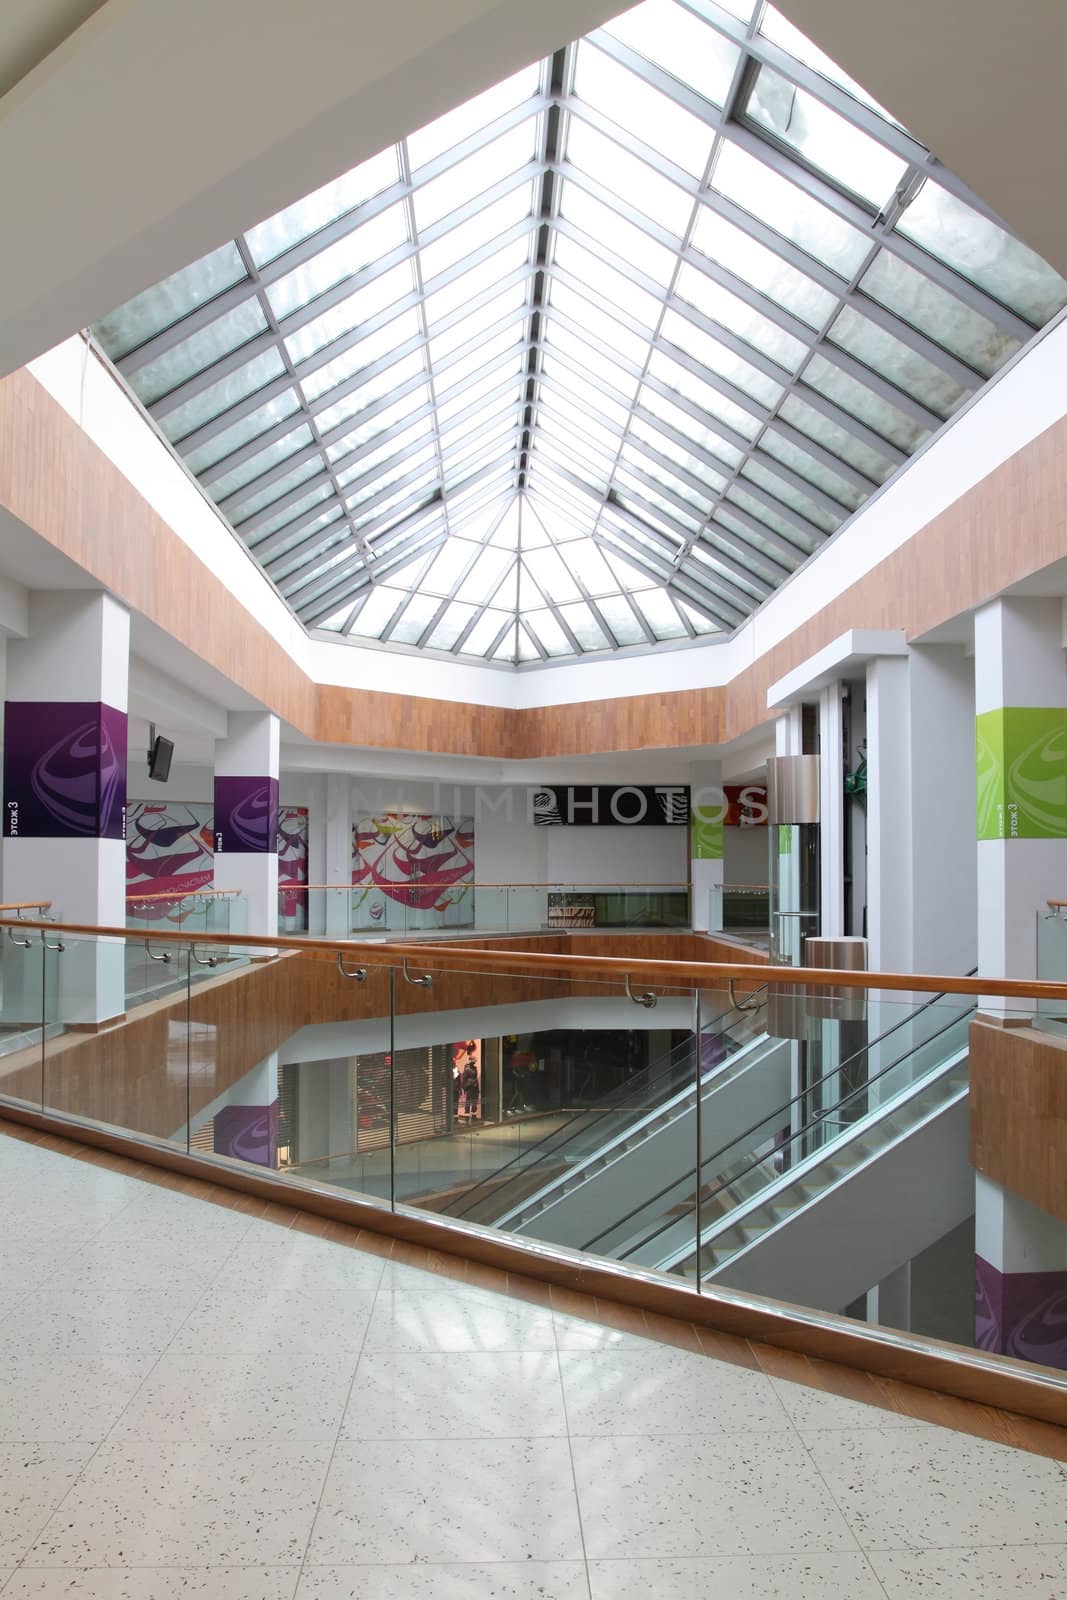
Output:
x=425 y=906
x=732 y=1128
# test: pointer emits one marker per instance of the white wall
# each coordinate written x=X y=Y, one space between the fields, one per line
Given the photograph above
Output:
x=745 y=855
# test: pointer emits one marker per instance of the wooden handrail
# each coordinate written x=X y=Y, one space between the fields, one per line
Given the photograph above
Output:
x=672 y=974
x=26 y=905
x=175 y=894
x=433 y=883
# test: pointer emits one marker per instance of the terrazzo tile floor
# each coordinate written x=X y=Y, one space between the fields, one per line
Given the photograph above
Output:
x=200 y=1403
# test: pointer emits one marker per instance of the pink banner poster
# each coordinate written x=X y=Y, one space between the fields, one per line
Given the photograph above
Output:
x=168 y=852
x=422 y=863
x=293 y=866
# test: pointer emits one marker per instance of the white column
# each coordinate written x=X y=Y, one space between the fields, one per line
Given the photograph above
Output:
x=921 y=879
x=1021 y=725
x=338 y=920
x=1020 y=695
x=831 y=813
x=246 y=816
x=706 y=846
x=65 y=761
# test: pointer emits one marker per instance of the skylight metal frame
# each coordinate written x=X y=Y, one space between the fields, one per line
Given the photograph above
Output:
x=343 y=532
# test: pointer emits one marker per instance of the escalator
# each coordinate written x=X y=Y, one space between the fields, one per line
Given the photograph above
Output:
x=538 y=1181
x=817 y=1204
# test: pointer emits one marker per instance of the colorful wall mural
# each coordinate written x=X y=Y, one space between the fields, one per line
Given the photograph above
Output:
x=412 y=871
x=169 y=851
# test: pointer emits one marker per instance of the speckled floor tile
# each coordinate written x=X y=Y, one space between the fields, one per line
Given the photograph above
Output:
x=918 y=1488
x=224 y=1399
x=33 y=1480
x=814 y=1408
x=811 y=1577
x=302 y=1324
x=574 y=1333
x=397 y=1501
x=62 y=1324
x=197 y=1505
x=665 y=1391
x=127 y=1269
x=406 y=1321
x=726 y=1495
x=154 y=1583
x=1023 y=1572
x=477 y=1395
x=504 y=1580
x=76 y=1399
x=295 y=1265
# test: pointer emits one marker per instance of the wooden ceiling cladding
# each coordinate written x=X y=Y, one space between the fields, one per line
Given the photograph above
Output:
x=58 y=483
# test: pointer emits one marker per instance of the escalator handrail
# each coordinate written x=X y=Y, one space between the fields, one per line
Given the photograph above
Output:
x=758 y=1161
x=780 y=1110
x=613 y=1100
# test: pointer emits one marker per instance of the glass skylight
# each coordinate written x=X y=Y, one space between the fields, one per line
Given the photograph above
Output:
x=594 y=361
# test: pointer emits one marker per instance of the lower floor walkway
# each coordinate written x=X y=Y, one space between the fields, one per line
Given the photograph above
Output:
x=208 y=1396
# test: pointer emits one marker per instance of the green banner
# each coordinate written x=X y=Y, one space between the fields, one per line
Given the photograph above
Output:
x=785 y=839
x=1021 y=754
x=707 y=833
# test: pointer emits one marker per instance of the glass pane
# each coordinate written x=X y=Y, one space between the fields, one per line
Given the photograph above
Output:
x=680 y=43
x=474 y=175
x=481 y=637
x=833 y=437
x=658 y=610
x=634 y=181
x=357 y=250
x=200 y=351
x=659 y=406
x=548 y=632
x=165 y=303
x=317 y=384
x=242 y=432
x=741 y=318
x=470 y=236
x=415 y=618
x=474 y=114
x=613 y=233
x=719 y=359
x=592 y=360
x=290 y=514
x=485 y=577
x=474 y=327
x=467 y=285
x=744 y=256
x=894 y=360
x=980 y=250
x=642 y=467
x=680 y=378
x=377 y=612
x=607 y=284
x=621 y=95
x=228 y=391
x=582 y=623
x=735 y=532
x=357 y=308
x=771 y=518
x=619 y=617
x=549 y=572
x=923 y=303
x=269 y=239
x=824 y=140
x=789 y=211
x=807 y=467
x=265 y=497
x=754 y=470
x=556 y=411
x=863 y=404
x=563 y=379
x=588 y=565
x=644 y=431
x=450 y=626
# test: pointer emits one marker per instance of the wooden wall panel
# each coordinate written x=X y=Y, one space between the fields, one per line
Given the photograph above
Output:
x=53 y=479
x=1019 y=1112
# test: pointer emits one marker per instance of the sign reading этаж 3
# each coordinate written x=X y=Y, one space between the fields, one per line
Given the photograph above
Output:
x=604 y=805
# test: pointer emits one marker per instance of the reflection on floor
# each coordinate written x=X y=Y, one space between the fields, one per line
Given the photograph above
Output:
x=200 y=1401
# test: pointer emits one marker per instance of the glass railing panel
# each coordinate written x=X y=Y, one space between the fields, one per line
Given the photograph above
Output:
x=125 y=1069
x=290 y=1066
x=532 y=1078
x=23 y=1004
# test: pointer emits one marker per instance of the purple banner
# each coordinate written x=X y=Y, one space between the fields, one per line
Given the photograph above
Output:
x=246 y=816
x=1021 y=1314
x=248 y=1133
x=64 y=770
